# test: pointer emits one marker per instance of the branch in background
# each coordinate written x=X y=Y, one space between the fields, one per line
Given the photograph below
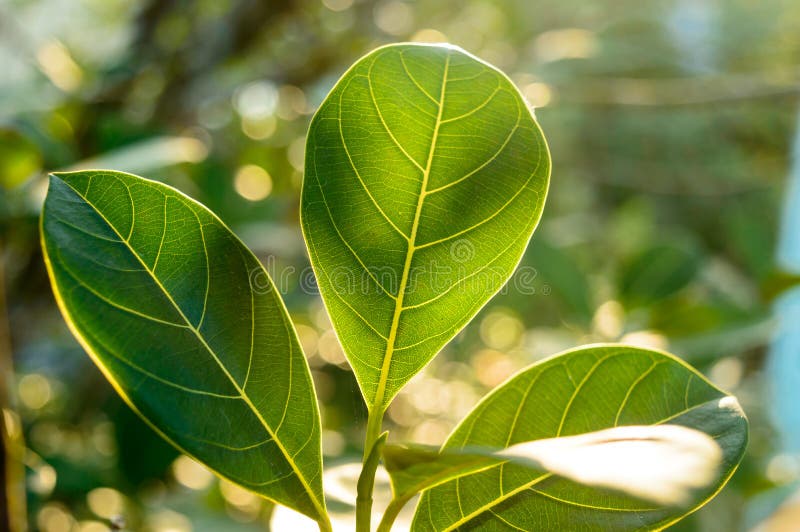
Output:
x=12 y=473
x=680 y=91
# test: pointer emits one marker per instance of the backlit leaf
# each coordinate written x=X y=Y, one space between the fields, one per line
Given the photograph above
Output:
x=426 y=175
x=185 y=323
x=580 y=391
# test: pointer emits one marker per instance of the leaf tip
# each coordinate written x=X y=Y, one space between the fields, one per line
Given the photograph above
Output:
x=731 y=404
x=63 y=176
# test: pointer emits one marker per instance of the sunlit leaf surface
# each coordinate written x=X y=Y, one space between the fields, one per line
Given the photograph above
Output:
x=580 y=391
x=664 y=464
x=426 y=175
x=184 y=322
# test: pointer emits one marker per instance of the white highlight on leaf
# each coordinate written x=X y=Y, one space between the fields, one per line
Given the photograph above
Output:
x=664 y=464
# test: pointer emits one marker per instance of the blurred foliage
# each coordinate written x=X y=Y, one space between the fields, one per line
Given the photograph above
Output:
x=669 y=122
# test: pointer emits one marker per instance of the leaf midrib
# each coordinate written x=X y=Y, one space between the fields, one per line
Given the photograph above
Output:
x=245 y=398
x=380 y=392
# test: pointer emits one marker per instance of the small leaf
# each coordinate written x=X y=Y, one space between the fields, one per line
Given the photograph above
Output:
x=366 y=481
x=581 y=391
x=185 y=323
x=658 y=272
x=664 y=464
x=557 y=271
x=426 y=175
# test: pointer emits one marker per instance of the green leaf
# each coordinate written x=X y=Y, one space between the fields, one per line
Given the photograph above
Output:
x=185 y=323
x=415 y=468
x=665 y=464
x=658 y=272
x=580 y=391
x=426 y=175
x=557 y=269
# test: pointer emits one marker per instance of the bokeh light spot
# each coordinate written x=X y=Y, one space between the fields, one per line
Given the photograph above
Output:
x=609 y=319
x=258 y=99
x=337 y=5
x=296 y=152
x=329 y=349
x=58 y=65
x=259 y=128
x=169 y=521
x=191 y=474
x=54 y=518
x=501 y=330
x=252 y=182
x=394 y=17
x=727 y=373
x=105 y=502
x=35 y=391
x=538 y=94
x=429 y=35
x=567 y=43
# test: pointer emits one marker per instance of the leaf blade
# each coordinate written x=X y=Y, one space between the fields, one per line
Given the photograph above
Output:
x=403 y=254
x=131 y=248
x=580 y=391
x=629 y=459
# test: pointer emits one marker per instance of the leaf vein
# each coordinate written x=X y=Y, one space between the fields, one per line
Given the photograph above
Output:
x=163 y=235
x=344 y=240
x=414 y=80
x=390 y=343
x=318 y=505
x=489 y=218
x=579 y=387
x=474 y=110
x=632 y=388
x=156 y=377
x=495 y=502
x=358 y=174
x=591 y=506
x=113 y=303
x=502 y=147
x=383 y=121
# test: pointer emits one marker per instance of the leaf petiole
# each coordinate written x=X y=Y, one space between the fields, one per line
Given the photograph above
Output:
x=391 y=513
x=373 y=443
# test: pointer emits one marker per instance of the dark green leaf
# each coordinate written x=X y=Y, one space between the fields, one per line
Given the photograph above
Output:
x=585 y=390
x=556 y=269
x=658 y=272
x=185 y=323
x=426 y=175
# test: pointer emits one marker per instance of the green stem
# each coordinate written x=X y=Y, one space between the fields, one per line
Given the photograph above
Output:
x=366 y=481
x=391 y=513
x=325 y=525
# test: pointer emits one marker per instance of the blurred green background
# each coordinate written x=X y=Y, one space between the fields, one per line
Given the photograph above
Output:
x=670 y=124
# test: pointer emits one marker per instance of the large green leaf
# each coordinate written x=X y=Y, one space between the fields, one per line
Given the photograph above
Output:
x=585 y=390
x=426 y=175
x=185 y=323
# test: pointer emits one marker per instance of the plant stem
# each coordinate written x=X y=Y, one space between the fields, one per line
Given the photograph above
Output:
x=325 y=525
x=391 y=513
x=366 y=481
